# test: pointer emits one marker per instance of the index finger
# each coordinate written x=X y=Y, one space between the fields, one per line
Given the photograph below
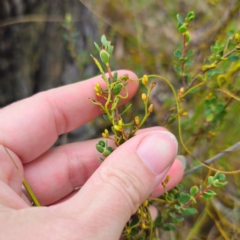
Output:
x=31 y=126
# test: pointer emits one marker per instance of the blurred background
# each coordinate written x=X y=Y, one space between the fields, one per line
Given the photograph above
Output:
x=46 y=44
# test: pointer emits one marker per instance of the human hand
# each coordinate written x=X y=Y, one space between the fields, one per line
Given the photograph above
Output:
x=110 y=193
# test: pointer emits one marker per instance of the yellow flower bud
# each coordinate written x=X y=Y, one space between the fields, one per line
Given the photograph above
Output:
x=145 y=80
x=104 y=135
x=143 y=226
x=181 y=90
x=118 y=128
x=184 y=114
x=150 y=108
x=144 y=97
x=145 y=203
x=137 y=121
x=120 y=122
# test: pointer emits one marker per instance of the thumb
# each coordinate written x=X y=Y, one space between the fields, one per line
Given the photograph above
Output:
x=124 y=180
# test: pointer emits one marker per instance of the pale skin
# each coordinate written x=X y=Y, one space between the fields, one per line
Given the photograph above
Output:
x=111 y=192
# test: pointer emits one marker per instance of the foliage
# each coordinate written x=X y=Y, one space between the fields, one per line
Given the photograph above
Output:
x=173 y=204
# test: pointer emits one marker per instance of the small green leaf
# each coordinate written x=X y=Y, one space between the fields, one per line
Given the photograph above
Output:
x=210 y=180
x=115 y=76
x=101 y=143
x=168 y=227
x=110 y=149
x=183 y=29
x=105 y=117
x=208 y=194
x=106 y=153
x=177 y=69
x=158 y=221
x=210 y=117
x=110 y=49
x=219 y=184
x=178 y=54
x=175 y=218
x=188 y=211
x=194 y=191
x=100 y=148
x=179 y=18
x=187 y=37
x=233 y=58
x=177 y=207
x=134 y=231
x=104 y=41
x=104 y=55
x=190 y=54
x=117 y=89
x=184 y=198
x=219 y=176
x=188 y=63
x=191 y=16
x=97 y=47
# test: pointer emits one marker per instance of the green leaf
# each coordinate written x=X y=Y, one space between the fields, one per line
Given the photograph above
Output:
x=117 y=89
x=194 y=191
x=101 y=143
x=208 y=194
x=190 y=54
x=115 y=76
x=104 y=41
x=175 y=218
x=100 y=148
x=188 y=63
x=134 y=220
x=220 y=176
x=134 y=231
x=110 y=149
x=177 y=207
x=178 y=54
x=158 y=221
x=110 y=49
x=233 y=58
x=191 y=16
x=106 y=153
x=177 y=69
x=210 y=180
x=219 y=184
x=188 y=211
x=187 y=37
x=182 y=29
x=184 y=198
x=105 y=117
x=97 y=47
x=168 y=227
x=104 y=55
x=210 y=117
x=179 y=18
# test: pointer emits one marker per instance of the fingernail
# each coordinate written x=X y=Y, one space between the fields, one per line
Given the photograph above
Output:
x=158 y=151
x=182 y=159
